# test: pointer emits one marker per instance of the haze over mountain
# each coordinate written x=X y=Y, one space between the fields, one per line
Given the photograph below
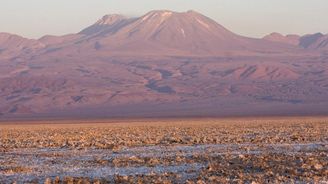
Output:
x=162 y=64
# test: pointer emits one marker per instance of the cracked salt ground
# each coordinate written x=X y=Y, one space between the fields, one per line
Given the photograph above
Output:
x=95 y=163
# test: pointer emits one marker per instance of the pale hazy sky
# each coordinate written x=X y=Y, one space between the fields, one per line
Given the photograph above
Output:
x=35 y=18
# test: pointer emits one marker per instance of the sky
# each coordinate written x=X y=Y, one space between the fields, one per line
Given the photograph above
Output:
x=254 y=18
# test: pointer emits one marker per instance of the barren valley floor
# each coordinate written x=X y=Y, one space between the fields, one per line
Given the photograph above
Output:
x=236 y=150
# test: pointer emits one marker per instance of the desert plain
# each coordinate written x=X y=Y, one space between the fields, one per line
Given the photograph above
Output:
x=195 y=150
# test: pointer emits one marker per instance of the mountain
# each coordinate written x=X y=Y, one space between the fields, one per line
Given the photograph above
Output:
x=288 y=39
x=317 y=41
x=162 y=64
x=159 y=33
x=166 y=32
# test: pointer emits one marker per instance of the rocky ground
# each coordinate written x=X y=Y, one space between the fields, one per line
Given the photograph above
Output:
x=266 y=150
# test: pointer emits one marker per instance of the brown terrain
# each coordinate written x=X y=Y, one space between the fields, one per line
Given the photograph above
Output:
x=238 y=150
x=162 y=64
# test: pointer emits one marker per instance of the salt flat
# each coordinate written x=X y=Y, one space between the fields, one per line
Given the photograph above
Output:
x=166 y=150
